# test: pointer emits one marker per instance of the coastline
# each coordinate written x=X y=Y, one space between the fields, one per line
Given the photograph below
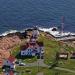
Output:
x=22 y=34
x=9 y=40
x=21 y=37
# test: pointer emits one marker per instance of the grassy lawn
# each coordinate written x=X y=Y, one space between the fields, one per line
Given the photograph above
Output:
x=69 y=64
x=35 y=70
x=15 y=52
x=1 y=70
x=59 y=72
x=30 y=60
x=23 y=70
x=46 y=71
x=56 y=72
x=51 y=47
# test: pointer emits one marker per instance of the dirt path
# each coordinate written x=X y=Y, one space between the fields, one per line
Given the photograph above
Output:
x=40 y=73
x=39 y=62
x=64 y=69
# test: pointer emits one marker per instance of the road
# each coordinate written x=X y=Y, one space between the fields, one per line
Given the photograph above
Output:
x=39 y=62
x=40 y=73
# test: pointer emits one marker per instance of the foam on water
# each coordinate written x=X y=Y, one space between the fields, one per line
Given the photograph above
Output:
x=57 y=32
x=8 y=32
x=54 y=33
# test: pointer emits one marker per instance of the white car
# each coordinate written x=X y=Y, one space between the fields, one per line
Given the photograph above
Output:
x=22 y=64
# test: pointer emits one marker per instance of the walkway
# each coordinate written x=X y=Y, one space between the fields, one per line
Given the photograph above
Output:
x=40 y=73
x=64 y=69
x=39 y=62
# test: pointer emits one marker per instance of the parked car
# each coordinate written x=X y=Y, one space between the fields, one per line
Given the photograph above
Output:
x=17 y=62
x=22 y=64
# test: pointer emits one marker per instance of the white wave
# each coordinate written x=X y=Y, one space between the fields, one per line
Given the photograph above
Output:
x=47 y=29
x=57 y=32
x=8 y=32
x=54 y=33
x=12 y=31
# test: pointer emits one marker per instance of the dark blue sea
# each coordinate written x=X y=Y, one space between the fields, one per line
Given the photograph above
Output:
x=21 y=14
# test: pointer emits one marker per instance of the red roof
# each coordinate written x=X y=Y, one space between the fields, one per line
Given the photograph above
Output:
x=11 y=58
x=33 y=44
x=11 y=73
x=24 y=47
x=27 y=45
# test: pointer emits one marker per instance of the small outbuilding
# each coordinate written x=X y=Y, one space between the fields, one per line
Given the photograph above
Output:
x=62 y=55
x=72 y=55
x=9 y=63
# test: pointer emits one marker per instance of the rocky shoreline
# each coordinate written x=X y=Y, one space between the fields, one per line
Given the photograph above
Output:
x=8 y=42
x=11 y=39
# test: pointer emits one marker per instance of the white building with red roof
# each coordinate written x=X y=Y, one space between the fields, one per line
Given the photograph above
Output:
x=31 y=49
x=9 y=73
x=10 y=62
x=27 y=50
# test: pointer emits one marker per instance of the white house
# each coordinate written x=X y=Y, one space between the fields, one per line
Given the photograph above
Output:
x=9 y=62
x=62 y=55
x=32 y=49
x=28 y=50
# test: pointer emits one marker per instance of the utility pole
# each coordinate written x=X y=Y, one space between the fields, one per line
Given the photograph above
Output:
x=38 y=66
x=62 y=24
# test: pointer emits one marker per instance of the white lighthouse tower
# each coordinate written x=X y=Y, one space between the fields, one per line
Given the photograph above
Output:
x=62 y=25
x=35 y=32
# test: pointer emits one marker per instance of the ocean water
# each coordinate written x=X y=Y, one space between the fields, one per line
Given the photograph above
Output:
x=21 y=14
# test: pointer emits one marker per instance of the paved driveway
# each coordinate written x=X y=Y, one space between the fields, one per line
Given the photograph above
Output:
x=39 y=62
x=40 y=73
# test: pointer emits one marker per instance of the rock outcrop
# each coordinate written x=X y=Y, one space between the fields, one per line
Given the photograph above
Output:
x=8 y=42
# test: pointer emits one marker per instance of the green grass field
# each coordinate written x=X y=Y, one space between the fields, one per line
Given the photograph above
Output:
x=51 y=47
x=46 y=71
x=15 y=52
